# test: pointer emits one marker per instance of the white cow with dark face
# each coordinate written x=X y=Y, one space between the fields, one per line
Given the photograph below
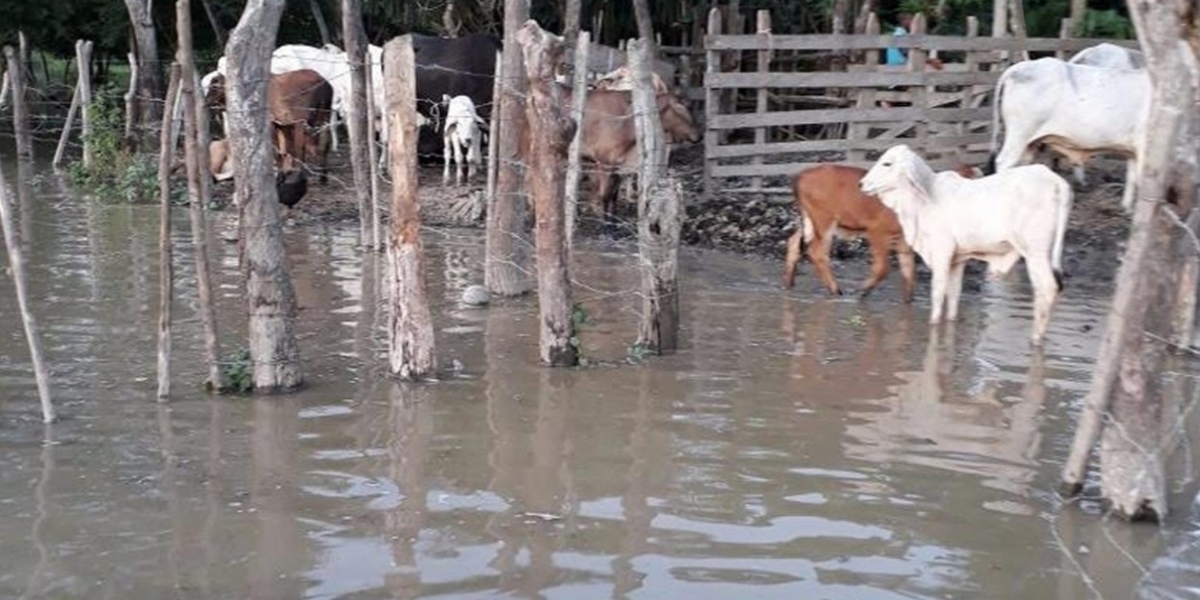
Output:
x=1077 y=110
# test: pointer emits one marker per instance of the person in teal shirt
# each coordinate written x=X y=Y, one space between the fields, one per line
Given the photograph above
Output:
x=896 y=56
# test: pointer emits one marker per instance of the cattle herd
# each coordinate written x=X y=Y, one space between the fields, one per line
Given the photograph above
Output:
x=899 y=205
x=1097 y=103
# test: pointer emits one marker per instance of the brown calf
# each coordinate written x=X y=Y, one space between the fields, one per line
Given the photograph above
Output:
x=830 y=203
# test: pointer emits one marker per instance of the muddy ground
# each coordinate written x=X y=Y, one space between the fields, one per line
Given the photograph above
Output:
x=738 y=223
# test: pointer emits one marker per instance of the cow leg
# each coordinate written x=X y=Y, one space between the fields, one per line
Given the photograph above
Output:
x=941 y=275
x=1130 y=192
x=908 y=270
x=459 y=163
x=473 y=156
x=818 y=253
x=793 y=259
x=604 y=185
x=1045 y=290
x=447 y=142
x=879 y=263
x=954 y=289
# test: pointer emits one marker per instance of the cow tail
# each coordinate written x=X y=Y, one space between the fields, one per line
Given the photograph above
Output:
x=1063 y=202
x=996 y=124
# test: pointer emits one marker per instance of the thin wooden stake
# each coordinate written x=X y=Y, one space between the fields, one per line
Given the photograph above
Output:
x=20 y=109
x=494 y=125
x=166 y=277
x=579 y=97
x=4 y=89
x=83 y=54
x=131 y=98
x=61 y=150
x=17 y=268
x=410 y=324
x=373 y=151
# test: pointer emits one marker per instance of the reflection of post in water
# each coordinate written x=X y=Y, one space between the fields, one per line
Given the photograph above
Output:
x=275 y=449
x=166 y=441
x=364 y=329
x=25 y=202
x=410 y=420
x=213 y=492
x=545 y=488
x=635 y=502
x=37 y=533
x=504 y=420
x=1026 y=436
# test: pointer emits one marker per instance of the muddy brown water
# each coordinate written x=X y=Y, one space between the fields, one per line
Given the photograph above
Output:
x=797 y=447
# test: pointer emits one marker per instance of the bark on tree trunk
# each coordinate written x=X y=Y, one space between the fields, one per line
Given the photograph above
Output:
x=272 y=299
x=551 y=130
x=507 y=263
x=1127 y=386
x=149 y=73
x=196 y=201
x=659 y=216
x=355 y=42
x=319 y=17
x=410 y=325
x=166 y=277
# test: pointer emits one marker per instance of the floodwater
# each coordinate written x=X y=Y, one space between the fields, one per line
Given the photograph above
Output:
x=796 y=447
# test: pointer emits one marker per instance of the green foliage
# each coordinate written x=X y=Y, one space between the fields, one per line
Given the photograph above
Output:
x=637 y=352
x=116 y=175
x=238 y=372
x=1105 y=24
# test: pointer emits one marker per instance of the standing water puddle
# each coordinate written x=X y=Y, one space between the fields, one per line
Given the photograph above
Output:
x=797 y=447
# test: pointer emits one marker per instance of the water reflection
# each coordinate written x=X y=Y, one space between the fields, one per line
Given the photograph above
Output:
x=411 y=424
x=37 y=534
x=280 y=549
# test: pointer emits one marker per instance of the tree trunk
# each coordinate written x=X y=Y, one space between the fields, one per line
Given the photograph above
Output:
x=196 y=201
x=166 y=277
x=999 y=18
x=410 y=325
x=272 y=299
x=17 y=269
x=319 y=17
x=1127 y=386
x=213 y=21
x=659 y=216
x=149 y=73
x=578 y=97
x=571 y=20
x=507 y=263
x=1078 y=9
x=355 y=41
x=21 y=125
x=551 y=130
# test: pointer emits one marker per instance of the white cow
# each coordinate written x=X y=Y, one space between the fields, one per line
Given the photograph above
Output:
x=948 y=219
x=1110 y=56
x=462 y=132
x=1073 y=109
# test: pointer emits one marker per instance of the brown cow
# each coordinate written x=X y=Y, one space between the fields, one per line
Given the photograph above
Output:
x=830 y=203
x=609 y=139
x=300 y=104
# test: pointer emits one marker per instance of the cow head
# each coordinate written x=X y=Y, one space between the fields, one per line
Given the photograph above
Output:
x=677 y=119
x=215 y=96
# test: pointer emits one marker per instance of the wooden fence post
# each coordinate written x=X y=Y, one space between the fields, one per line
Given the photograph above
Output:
x=5 y=87
x=354 y=39
x=494 y=131
x=17 y=269
x=373 y=149
x=26 y=58
x=410 y=325
x=165 y=271
x=61 y=150
x=131 y=98
x=507 y=258
x=763 y=32
x=866 y=98
x=712 y=104
x=1065 y=32
x=578 y=98
x=20 y=109
x=191 y=153
x=659 y=215
x=550 y=133
x=83 y=55
x=917 y=61
x=970 y=92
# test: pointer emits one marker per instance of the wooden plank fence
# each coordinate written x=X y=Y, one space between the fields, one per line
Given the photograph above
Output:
x=794 y=117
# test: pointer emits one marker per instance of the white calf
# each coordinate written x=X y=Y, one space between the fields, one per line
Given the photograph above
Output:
x=1072 y=109
x=462 y=132
x=947 y=219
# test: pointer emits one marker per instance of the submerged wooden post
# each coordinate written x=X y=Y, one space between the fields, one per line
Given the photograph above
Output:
x=410 y=325
x=61 y=151
x=494 y=131
x=17 y=269
x=506 y=264
x=20 y=109
x=357 y=112
x=660 y=216
x=166 y=277
x=550 y=133
x=373 y=152
x=83 y=55
x=5 y=88
x=191 y=152
x=578 y=98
